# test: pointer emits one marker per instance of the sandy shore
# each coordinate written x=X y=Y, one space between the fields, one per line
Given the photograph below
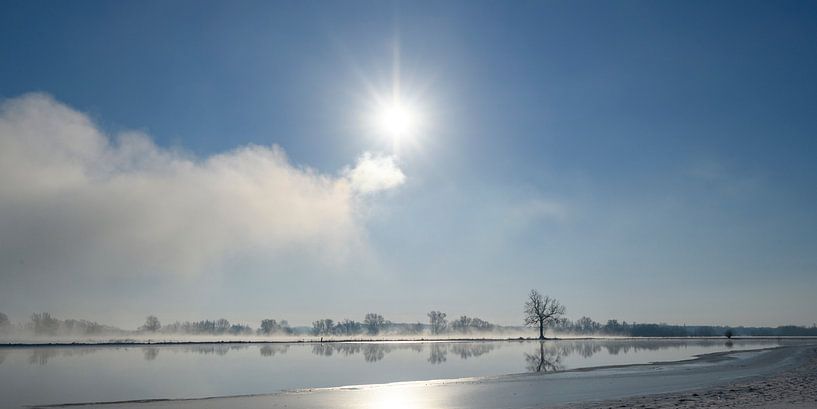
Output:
x=793 y=388
x=779 y=377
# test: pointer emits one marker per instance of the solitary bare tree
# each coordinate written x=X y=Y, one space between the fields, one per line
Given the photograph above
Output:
x=542 y=310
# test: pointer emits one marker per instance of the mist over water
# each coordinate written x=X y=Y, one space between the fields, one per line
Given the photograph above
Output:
x=43 y=375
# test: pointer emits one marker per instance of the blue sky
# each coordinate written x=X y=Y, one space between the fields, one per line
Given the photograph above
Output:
x=646 y=161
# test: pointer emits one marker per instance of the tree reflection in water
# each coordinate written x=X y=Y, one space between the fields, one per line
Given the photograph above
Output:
x=150 y=353
x=546 y=356
x=272 y=350
x=373 y=352
x=323 y=349
x=218 y=349
x=438 y=354
x=544 y=359
x=41 y=356
x=466 y=351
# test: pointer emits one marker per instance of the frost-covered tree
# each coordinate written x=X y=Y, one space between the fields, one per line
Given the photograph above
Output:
x=152 y=324
x=44 y=324
x=437 y=321
x=374 y=323
x=323 y=327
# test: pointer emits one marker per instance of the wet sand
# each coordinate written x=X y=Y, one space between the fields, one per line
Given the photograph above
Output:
x=766 y=378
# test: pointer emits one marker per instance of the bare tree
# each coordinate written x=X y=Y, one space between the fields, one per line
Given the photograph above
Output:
x=462 y=324
x=268 y=326
x=466 y=324
x=349 y=327
x=373 y=323
x=222 y=326
x=586 y=325
x=437 y=321
x=44 y=323
x=152 y=324
x=542 y=311
x=323 y=327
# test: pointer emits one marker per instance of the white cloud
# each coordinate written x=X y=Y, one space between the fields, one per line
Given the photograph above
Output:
x=374 y=173
x=74 y=201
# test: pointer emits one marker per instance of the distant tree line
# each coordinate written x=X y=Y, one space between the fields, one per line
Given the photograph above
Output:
x=205 y=327
x=373 y=324
x=271 y=327
x=547 y=313
x=586 y=326
x=47 y=325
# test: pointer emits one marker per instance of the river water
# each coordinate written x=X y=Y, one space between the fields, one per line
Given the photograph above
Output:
x=48 y=375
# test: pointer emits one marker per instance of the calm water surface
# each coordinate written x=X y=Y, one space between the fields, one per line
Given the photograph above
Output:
x=43 y=375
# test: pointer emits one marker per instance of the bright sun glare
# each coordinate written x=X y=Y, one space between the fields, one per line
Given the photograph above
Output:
x=396 y=119
x=394 y=115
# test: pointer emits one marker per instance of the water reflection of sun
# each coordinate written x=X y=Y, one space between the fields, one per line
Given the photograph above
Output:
x=396 y=398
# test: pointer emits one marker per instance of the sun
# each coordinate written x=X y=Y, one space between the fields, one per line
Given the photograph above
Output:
x=396 y=110
x=396 y=119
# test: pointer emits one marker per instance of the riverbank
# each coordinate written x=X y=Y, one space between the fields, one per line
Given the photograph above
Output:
x=793 y=388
